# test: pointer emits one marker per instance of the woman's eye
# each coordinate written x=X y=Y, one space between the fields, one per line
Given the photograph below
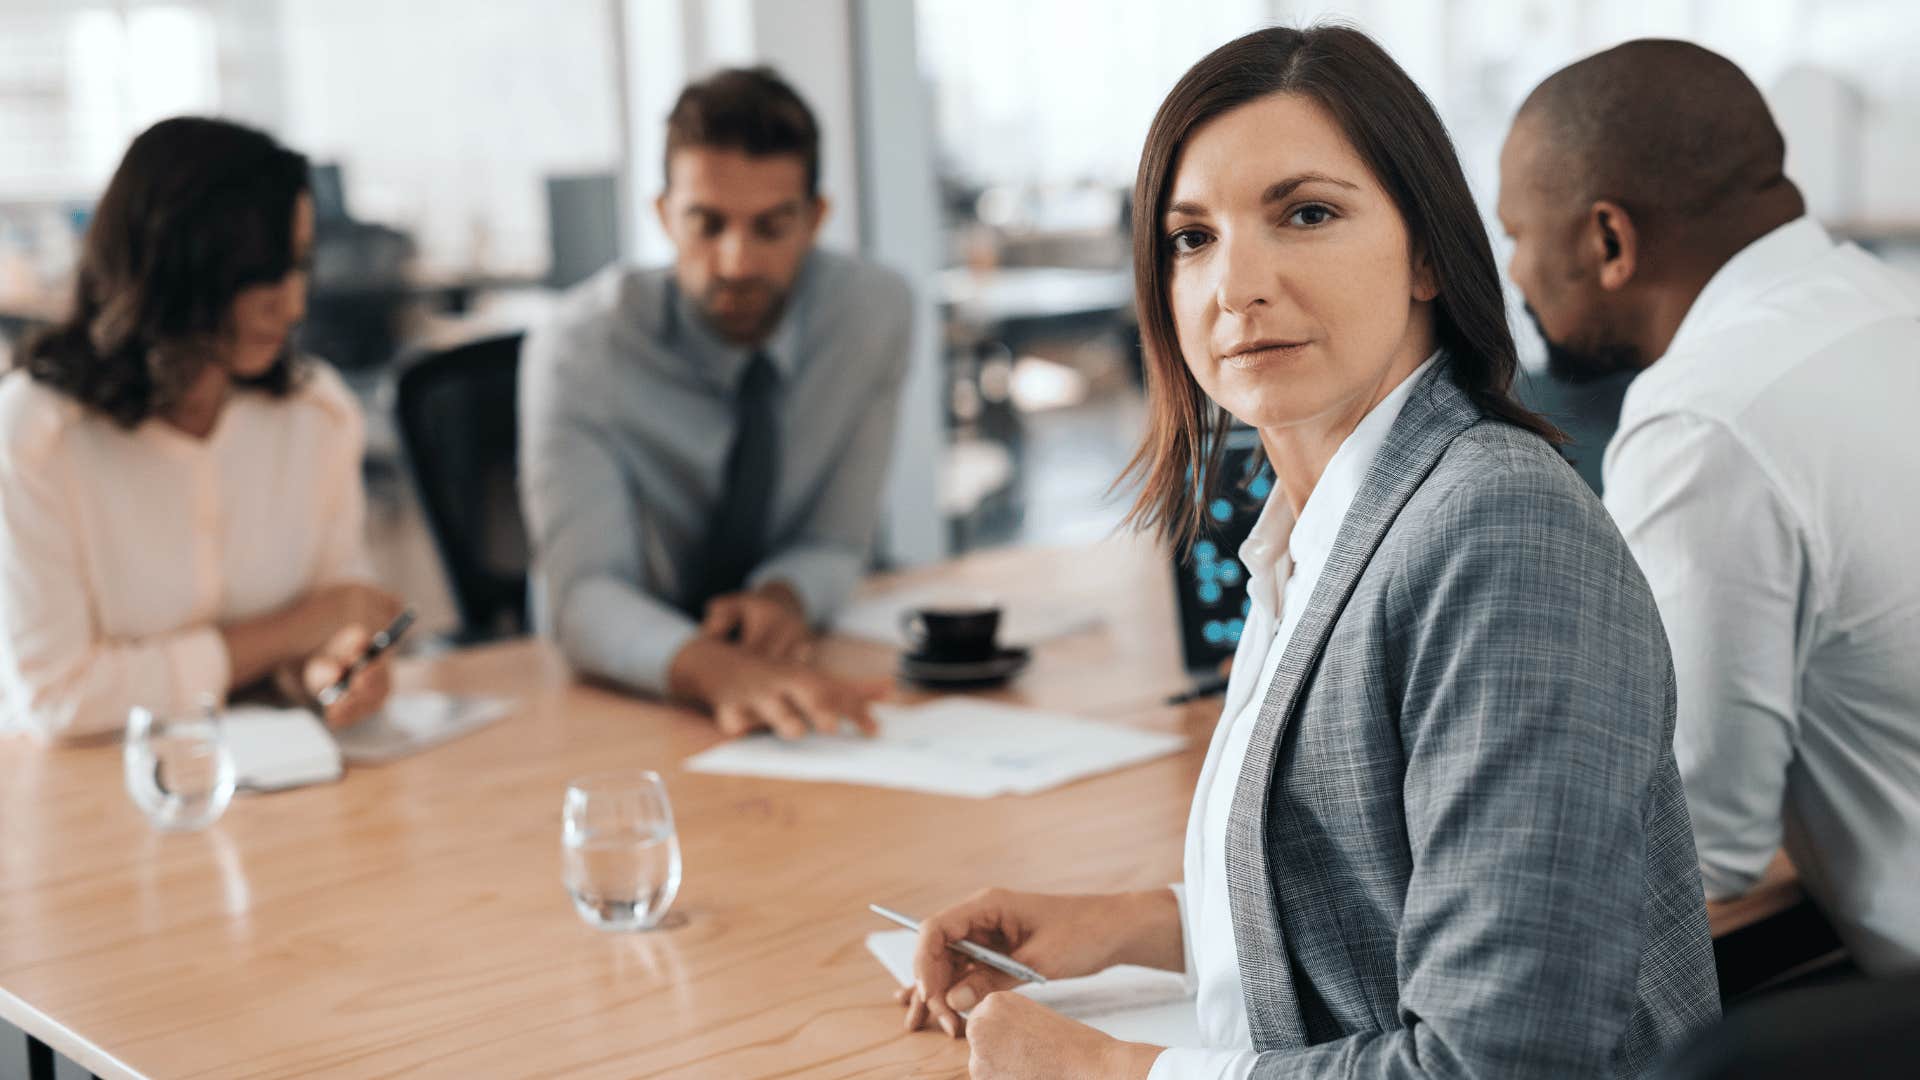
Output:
x=1311 y=215
x=1187 y=241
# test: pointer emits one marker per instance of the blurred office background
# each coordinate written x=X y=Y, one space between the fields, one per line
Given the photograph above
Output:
x=476 y=156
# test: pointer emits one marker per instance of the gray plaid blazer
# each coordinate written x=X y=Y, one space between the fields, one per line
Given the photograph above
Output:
x=1459 y=845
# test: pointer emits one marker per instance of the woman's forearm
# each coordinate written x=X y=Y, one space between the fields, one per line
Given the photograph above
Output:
x=262 y=645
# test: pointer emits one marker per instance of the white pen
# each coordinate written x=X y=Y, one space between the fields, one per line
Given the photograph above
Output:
x=1006 y=965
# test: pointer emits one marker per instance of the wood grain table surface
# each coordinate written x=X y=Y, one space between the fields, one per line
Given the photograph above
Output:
x=411 y=919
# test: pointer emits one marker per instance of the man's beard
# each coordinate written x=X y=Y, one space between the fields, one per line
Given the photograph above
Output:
x=744 y=327
x=1584 y=365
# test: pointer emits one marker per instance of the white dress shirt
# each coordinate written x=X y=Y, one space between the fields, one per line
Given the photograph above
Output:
x=122 y=551
x=1767 y=476
x=1283 y=559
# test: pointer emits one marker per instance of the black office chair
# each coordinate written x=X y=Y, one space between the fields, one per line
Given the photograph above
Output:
x=457 y=423
x=1858 y=1030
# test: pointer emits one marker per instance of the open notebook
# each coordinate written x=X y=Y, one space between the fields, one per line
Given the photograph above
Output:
x=1136 y=1004
x=275 y=749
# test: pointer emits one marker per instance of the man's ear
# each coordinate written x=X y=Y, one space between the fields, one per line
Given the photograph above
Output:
x=821 y=207
x=1612 y=245
x=660 y=211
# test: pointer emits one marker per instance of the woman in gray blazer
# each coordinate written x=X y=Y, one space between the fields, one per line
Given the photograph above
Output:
x=1439 y=831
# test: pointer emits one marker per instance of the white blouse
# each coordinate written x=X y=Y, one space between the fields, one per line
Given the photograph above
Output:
x=1283 y=559
x=123 y=551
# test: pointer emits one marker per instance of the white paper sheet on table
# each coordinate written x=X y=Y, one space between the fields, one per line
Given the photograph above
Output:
x=877 y=618
x=949 y=746
x=1135 y=1004
x=410 y=723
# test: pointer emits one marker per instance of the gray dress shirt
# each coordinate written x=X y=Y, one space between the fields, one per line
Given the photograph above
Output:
x=626 y=416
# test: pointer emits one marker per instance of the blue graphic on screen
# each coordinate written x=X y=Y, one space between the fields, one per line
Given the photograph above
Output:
x=1210 y=581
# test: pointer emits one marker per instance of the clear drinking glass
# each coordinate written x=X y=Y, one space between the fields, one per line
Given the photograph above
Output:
x=179 y=771
x=622 y=854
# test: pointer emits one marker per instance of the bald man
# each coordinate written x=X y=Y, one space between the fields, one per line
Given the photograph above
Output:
x=1765 y=471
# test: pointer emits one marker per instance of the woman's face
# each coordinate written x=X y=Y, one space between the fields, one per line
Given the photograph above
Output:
x=1296 y=296
x=263 y=317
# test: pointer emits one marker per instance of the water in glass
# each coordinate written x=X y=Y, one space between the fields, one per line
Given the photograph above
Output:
x=622 y=855
x=178 y=770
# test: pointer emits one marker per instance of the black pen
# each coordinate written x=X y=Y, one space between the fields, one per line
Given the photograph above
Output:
x=1206 y=688
x=381 y=642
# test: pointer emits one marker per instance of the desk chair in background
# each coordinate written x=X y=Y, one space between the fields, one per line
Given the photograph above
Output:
x=456 y=414
x=359 y=286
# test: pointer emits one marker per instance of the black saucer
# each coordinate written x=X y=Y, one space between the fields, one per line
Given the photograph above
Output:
x=1004 y=664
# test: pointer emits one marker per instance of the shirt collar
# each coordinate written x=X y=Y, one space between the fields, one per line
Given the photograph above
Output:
x=1753 y=270
x=724 y=363
x=1264 y=552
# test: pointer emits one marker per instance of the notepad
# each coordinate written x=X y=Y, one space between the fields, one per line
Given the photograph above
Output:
x=949 y=746
x=877 y=618
x=275 y=749
x=1136 y=1004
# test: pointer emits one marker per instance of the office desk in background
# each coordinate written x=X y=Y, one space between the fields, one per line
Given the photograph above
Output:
x=411 y=920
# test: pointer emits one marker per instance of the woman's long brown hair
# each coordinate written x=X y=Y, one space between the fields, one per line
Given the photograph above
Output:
x=1394 y=128
x=198 y=210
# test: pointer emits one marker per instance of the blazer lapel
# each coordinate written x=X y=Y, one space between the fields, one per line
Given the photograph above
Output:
x=1436 y=411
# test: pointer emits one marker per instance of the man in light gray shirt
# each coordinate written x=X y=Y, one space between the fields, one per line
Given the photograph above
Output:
x=702 y=447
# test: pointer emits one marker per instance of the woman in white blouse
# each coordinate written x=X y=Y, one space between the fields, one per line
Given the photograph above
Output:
x=180 y=501
x=1439 y=831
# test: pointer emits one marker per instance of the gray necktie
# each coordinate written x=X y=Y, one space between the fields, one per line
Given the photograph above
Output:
x=737 y=539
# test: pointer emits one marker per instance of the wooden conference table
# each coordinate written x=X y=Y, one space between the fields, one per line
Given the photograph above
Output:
x=411 y=920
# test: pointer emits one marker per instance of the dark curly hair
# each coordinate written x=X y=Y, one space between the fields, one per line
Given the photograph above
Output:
x=198 y=210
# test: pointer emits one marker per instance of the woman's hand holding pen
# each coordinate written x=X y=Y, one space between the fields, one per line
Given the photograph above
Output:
x=280 y=643
x=1057 y=936
x=366 y=691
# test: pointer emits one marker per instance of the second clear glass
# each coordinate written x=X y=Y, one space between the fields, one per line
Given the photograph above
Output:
x=621 y=851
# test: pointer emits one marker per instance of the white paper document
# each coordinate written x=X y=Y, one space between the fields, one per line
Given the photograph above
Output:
x=950 y=746
x=410 y=723
x=274 y=749
x=1135 y=1004
x=877 y=618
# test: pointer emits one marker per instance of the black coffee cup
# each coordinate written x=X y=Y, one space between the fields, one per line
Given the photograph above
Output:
x=952 y=633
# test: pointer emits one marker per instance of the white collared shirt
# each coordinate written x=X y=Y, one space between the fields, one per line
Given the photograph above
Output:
x=1766 y=475
x=1283 y=559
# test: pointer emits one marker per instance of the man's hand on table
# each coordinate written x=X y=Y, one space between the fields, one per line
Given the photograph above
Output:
x=747 y=692
x=767 y=621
